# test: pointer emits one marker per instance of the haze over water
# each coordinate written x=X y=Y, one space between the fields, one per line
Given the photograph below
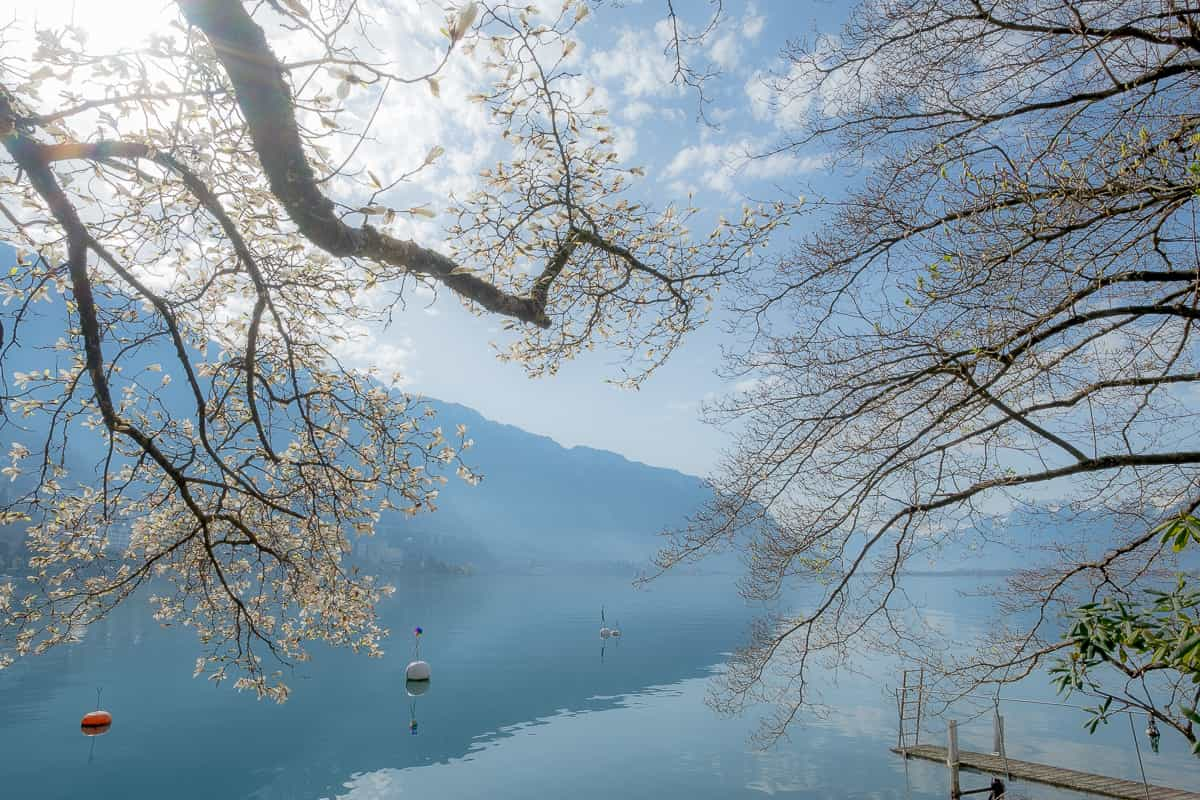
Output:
x=524 y=702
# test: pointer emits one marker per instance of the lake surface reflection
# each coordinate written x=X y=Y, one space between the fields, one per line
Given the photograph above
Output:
x=524 y=702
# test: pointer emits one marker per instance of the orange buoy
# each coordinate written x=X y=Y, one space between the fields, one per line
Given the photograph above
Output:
x=95 y=723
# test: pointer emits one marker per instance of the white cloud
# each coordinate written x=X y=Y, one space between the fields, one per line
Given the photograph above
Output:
x=777 y=165
x=637 y=110
x=753 y=25
x=726 y=51
x=389 y=353
x=784 y=101
x=790 y=92
x=638 y=63
x=719 y=166
x=759 y=95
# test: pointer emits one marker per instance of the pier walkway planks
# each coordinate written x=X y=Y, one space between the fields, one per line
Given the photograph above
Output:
x=1051 y=776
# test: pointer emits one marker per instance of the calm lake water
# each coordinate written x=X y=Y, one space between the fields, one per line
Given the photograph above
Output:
x=524 y=702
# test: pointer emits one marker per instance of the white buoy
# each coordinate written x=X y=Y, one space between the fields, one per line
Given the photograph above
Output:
x=615 y=630
x=416 y=688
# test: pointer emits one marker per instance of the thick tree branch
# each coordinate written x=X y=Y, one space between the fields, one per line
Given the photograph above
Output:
x=266 y=103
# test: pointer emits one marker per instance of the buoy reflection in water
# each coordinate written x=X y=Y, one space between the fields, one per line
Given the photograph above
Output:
x=415 y=689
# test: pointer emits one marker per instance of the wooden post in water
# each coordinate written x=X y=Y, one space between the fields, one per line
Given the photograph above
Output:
x=952 y=758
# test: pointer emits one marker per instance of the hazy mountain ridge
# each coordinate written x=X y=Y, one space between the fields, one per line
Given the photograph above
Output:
x=539 y=504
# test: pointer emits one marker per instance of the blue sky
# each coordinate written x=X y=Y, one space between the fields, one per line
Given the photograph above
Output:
x=444 y=350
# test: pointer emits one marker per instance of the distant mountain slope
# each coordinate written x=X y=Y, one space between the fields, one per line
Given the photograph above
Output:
x=540 y=501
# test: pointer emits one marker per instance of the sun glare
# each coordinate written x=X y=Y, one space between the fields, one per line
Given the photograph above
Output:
x=109 y=25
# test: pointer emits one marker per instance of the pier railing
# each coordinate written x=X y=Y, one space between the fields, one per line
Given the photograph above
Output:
x=912 y=698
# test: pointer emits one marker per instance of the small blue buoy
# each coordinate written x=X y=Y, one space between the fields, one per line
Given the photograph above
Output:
x=417 y=670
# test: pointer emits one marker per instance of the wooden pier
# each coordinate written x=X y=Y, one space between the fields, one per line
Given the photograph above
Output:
x=1051 y=776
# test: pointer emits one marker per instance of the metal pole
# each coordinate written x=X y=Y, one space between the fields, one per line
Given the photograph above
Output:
x=1004 y=750
x=952 y=758
x=920 y=704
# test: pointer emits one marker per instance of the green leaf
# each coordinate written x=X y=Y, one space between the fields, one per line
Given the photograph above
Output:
x=1189 y=648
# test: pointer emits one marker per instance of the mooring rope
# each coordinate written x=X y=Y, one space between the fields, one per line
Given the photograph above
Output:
x=990 y=698
x=1138 y=747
